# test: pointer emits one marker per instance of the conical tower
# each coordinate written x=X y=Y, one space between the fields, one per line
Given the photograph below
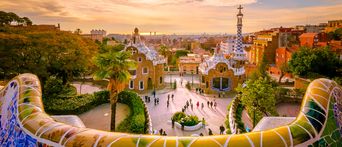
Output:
x=239 y=53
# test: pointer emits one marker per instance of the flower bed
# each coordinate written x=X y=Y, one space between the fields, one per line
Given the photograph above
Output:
x=190 y=122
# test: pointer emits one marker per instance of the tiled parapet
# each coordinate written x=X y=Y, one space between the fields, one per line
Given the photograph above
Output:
x=23 y=122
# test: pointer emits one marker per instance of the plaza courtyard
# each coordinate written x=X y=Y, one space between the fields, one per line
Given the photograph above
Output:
x=99 y=117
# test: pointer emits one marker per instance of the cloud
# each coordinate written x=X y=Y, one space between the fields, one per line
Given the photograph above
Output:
x=168 y=16
x=183 y=2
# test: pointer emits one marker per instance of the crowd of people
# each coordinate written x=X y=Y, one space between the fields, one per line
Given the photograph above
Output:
x=189 y=104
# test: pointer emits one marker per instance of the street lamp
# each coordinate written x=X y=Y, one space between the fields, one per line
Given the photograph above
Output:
x=192 y=78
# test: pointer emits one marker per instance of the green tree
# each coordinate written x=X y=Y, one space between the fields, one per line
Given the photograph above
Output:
x=114 y=66
x=335 y=35
x=258 y=97
x=44 y=53
x=181 y=53
x=317 y=61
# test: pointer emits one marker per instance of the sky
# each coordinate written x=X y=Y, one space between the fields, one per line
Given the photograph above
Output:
x=174 y=16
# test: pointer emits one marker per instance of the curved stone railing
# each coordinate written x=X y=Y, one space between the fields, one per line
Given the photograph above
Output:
x=23 y=122
x=231 y=115
x=190 y=128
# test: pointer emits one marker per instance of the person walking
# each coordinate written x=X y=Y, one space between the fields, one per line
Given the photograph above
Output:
x=202 y=106
x=197 y=104
x=155 y=101
x=215 y=104
x=173 y=122
x=222 y=129
x=167 y=104
x=210 y=132
x=172 y=97
x=168 y=97
x=192 y=107
x=187 y=103
x=161 y=131
x=211 y=104
x=208 y=103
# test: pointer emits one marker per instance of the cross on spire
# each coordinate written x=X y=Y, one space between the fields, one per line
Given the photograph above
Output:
x=240 y=8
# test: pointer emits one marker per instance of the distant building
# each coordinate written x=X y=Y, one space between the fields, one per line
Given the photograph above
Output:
x=221 y=74
x=96 y=35
x=264 y=45
x=336 y=47
x=333 y=25
x=149 y=73
x=189 y=64
x=315 y=28
x=283 y=56
x=312 y=40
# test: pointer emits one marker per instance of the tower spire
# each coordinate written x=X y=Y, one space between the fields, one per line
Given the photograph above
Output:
x=239 y=54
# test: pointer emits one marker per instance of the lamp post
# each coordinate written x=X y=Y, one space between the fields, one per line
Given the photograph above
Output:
x=192 y=78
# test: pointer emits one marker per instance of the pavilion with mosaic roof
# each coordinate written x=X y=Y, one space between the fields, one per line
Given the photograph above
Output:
x=222 y=73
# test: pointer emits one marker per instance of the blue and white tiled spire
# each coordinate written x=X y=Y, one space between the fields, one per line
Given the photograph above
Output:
x=239 y=53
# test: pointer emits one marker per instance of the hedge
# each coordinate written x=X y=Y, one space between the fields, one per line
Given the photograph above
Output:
x=75 y=104
x=137 y=121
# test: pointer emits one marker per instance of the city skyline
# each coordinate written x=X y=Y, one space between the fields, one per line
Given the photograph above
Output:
x=175 y=16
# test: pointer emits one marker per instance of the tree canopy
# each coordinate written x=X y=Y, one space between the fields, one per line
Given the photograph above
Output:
x=314 y=62
x=258 y=96
x=335 y=35
x=7 y=18
x=44 y=53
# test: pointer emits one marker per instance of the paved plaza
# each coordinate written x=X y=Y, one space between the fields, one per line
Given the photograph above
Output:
x=161 y=115
x=99 y=117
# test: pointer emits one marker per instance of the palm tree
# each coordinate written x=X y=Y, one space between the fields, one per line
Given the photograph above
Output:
x=115 y=67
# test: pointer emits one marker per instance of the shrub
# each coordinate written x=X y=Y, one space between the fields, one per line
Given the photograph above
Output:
x=186 y=120
x=76 y=104
x=178 y=116
x=189 y=120
x=136 y=122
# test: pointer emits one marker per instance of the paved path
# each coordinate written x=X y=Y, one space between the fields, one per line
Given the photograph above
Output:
x=161 y=115
x=99 y=117
x=87 y=88
x=288 y=109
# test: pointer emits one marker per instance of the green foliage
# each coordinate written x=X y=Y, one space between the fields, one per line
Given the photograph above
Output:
x=75 y=104
x=178 y=116
x=189 y=120
x=44 y=53
x=104 y=48
x=136 y=122
x=313 y=62
x=335 y=35
x=7 y=18
x=258 y=96
x=240 y=124
x=338 y=80
x=113 y=65
x=186 y=120
x=181 y=53
x=53 y=87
